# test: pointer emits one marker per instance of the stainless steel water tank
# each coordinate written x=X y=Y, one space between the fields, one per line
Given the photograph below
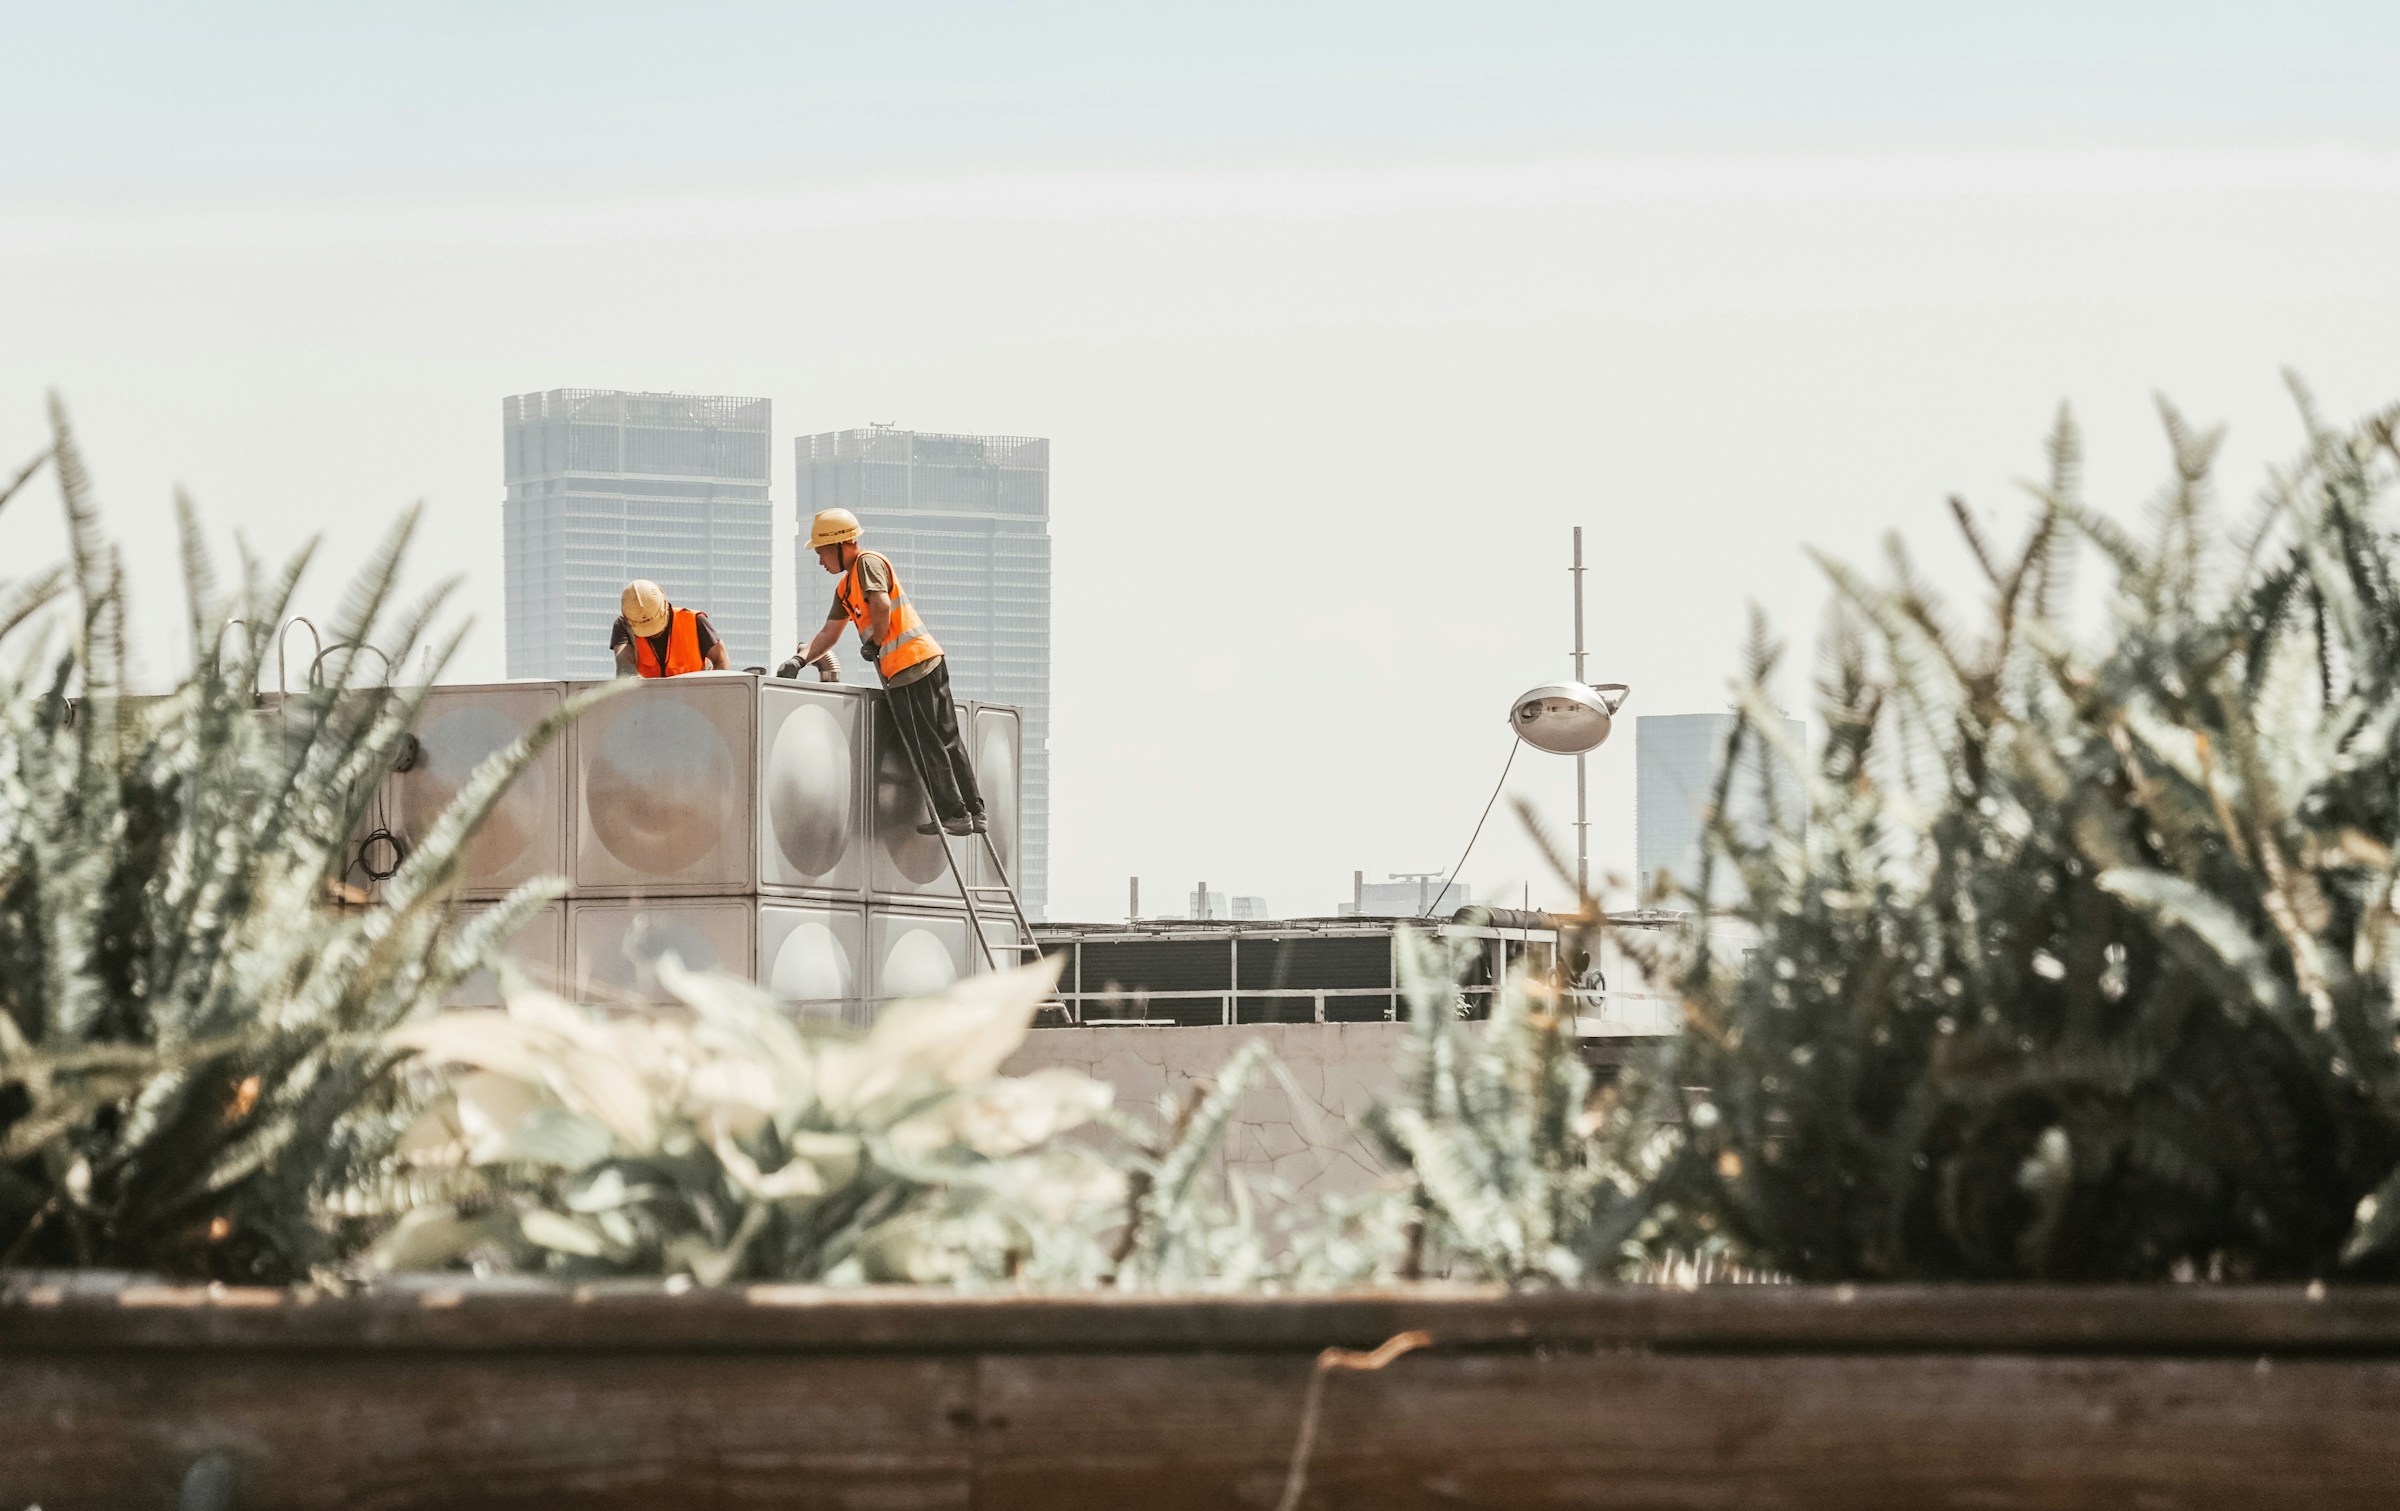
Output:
x=539 y=950
x=812 y=956
x=459 y=729
x=618 y=943
x=724 y=785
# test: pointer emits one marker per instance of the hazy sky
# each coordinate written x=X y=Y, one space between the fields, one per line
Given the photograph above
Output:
x=1340 y=317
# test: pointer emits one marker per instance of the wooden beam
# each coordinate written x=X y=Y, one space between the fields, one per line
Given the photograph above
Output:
x=1629 y=1430
x=46 y=1312
x=508 y=1397
x=405 y=1431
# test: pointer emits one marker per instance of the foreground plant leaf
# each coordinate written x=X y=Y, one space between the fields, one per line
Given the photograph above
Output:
x=762 y=1147
x=2080 y=965
x=193 y=1078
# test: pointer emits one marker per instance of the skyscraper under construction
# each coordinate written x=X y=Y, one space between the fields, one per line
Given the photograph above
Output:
x=965 y=520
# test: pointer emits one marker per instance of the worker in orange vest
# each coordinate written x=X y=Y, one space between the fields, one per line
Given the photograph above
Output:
x=653 y=638
x=916 y=682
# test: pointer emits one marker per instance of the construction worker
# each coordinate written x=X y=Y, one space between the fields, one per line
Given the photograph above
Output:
x=916 y=681
x=653 y=638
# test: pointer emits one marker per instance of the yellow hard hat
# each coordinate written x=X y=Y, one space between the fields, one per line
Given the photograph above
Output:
x=833 y=526
x=645 y=606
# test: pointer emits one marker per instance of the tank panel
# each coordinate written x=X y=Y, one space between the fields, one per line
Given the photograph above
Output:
x=995 y=743
x=812 y=810
x=539 y=950
x=901 y=863
x=813 y=958
x=915 y=954
x=459 y=729
x=619 y=943
x=665 y=791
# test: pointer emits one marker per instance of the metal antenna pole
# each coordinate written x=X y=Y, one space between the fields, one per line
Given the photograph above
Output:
x=1583 y=824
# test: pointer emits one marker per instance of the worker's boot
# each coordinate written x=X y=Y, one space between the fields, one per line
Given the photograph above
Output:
x=965 y=823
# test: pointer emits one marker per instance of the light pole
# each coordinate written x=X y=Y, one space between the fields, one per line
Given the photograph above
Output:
x=1570 y=718
x=1583 y=818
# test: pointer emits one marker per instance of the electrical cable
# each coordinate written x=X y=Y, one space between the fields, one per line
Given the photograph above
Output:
x=379 y=814
x=1513 y=743
x=380 y=835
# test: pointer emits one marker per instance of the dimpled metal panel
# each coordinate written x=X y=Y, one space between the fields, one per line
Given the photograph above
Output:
x=812 y=810
x=916 y=954
x=618 y=944
x=901 y=862
x=459 y=729
x=538 y=950
x=813 y=958
x=664 y=788
x=994 y=745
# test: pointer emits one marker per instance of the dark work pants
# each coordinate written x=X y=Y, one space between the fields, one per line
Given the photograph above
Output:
x=928 y=724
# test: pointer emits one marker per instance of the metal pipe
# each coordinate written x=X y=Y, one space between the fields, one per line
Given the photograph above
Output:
x=1233 y=977
x=281 y=684
x=316 y=668
x=216 y=652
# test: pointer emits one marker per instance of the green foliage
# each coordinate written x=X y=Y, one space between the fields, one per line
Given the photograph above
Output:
x=1510 y=1167
x=731 y=1141
x=2081 y=964
x=1179 y=1232
x=192 y=1073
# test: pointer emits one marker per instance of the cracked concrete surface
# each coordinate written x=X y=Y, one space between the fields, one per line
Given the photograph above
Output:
x=1294 y=1134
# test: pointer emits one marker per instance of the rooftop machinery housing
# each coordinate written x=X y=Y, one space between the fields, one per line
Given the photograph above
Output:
x=605 y=486
x=965 y=520
x=1174 y=973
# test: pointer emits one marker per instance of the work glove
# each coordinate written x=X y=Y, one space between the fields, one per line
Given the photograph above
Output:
x=789 y=670
x=870 y=650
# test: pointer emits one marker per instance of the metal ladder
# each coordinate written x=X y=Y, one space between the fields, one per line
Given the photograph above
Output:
x=980 y=900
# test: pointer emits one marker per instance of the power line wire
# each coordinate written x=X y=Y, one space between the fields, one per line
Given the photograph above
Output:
x=1513 y=743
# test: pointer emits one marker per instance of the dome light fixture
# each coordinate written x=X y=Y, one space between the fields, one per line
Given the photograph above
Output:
x=1566 y=718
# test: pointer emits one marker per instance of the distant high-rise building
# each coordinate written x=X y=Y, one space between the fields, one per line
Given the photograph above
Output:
x=1674 y=776
x=604 y=487
x=1409 y=894
x=965 y=520
x=1210 y=903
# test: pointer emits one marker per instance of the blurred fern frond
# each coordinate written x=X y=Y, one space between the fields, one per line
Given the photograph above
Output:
x=2110 y=995
x=192 y=1070
x=1510 y=1165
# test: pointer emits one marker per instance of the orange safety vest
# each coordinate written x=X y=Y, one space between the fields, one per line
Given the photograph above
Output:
x=683 y=647
x=910 y=644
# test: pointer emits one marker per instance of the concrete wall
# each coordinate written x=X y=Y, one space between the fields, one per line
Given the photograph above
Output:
x=1305 y=1143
